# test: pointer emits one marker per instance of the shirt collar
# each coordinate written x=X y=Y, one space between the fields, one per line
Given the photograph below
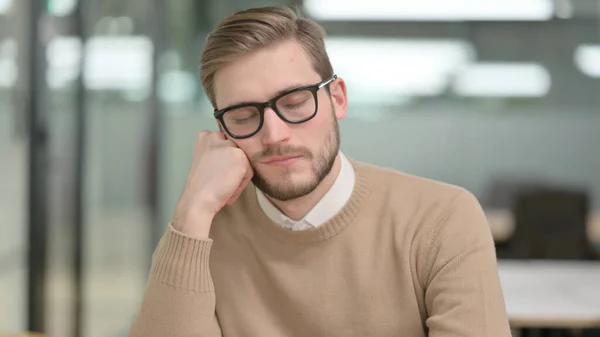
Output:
x=331 y=203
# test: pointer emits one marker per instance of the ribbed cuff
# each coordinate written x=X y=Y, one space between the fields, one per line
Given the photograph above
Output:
x=183 y=262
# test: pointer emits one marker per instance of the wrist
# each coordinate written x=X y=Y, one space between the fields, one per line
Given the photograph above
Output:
x=195 y=224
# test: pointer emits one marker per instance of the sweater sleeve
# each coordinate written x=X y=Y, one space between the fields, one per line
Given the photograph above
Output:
x=463 y=295
x=179 y=299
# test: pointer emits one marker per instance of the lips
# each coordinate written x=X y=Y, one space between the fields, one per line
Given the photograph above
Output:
x=282 y=160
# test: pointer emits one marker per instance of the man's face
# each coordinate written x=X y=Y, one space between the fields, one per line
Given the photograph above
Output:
x=289 y=160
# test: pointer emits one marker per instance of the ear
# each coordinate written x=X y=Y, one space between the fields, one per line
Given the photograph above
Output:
x=339 y=98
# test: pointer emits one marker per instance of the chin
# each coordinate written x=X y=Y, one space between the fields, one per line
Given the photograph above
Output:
x=295 y=178
x=290 y=187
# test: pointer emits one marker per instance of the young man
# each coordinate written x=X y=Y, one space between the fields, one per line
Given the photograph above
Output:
x=318 y=244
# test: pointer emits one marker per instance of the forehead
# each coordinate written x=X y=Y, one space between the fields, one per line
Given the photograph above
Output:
x=262 y=74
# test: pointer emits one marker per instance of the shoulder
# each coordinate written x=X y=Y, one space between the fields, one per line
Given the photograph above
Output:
x=410 y=189
x=424 y=208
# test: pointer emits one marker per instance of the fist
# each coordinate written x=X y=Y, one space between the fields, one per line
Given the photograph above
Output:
x=219 y=173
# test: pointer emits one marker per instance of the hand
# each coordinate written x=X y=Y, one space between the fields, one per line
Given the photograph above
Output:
x=219 y=173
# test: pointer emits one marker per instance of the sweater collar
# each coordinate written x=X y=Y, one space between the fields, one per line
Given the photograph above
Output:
x=328 y=229
x=331 y=203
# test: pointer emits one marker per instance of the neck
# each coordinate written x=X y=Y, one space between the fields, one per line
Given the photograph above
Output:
x=296 y=209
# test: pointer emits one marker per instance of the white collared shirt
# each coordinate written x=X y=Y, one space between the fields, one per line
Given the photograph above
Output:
x=331 y=203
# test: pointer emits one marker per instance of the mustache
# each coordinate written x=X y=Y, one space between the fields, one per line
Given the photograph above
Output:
x=282 y=150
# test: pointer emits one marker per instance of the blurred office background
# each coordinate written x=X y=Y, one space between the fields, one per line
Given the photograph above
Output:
x=100 y=103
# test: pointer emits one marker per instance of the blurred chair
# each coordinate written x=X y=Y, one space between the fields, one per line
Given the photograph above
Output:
x=551 y=224
x=502 y=193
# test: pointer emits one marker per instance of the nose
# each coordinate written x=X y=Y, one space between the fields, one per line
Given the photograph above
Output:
x=274 y=130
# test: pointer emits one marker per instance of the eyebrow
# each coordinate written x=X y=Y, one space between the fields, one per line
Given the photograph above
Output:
x=279 y=92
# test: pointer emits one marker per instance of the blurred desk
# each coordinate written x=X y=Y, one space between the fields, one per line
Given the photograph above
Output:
x=502 y=225
x=551 y=294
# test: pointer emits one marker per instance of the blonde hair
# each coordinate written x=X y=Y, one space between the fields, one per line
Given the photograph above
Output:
x=252 y=29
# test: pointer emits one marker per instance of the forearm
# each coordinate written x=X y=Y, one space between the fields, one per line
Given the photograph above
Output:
x=179 y=299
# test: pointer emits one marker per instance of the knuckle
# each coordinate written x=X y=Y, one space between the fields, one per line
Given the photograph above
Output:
x=239 y=154
x=228 y=143
x=236 y=156
x=217 y=135
x=202 y=135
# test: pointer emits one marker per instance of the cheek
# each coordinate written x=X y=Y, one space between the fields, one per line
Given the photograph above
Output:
x=317 y=131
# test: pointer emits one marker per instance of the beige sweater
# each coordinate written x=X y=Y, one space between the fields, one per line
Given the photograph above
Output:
x=405 y=257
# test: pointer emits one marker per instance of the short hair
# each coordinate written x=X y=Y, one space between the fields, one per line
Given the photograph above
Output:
x=252 y=29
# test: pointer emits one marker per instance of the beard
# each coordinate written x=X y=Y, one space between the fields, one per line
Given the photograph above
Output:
x=322 y=163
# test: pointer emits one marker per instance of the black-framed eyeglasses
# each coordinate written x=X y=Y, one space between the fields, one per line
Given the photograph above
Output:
x=295 y=106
